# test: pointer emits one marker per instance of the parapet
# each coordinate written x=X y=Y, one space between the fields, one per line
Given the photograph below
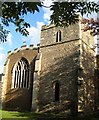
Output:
x=9 y=53
x=31 y=46
x=23 y=47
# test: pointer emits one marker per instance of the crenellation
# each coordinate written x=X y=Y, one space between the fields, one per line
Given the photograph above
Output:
x=9 y=53
x=5 y=62
x=27 y=48
x=18 y=50
x=31 y=46
x=23 y=47
x=15 y=50
x=38 y=45
x=35 y=48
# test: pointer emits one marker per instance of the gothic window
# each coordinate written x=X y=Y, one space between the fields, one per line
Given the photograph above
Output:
x=21 y=74
x=57 y=89
x=58 y=36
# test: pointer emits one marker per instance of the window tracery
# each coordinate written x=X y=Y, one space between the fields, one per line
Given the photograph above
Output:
x=21 y=74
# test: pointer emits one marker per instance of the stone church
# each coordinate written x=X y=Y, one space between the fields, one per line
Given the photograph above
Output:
x=59 y=75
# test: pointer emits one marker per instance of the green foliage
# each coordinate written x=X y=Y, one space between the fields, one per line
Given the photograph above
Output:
x=3 y=34
x=65 y=13
x=14 y=12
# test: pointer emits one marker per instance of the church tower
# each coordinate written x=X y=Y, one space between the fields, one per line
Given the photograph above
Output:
x=67 y=69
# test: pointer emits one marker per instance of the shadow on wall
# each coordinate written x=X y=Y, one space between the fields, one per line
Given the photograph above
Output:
x=87 y=89
x=20 y=99
x=63 y=70
x=97 y=84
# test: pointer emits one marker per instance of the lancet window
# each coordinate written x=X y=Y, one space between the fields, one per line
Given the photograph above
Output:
x=57 y=90
x=58 y=36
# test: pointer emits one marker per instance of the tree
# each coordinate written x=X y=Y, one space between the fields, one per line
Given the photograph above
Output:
x=3 y=34
x=91 y=24
x=64 y=13
x=14 y=12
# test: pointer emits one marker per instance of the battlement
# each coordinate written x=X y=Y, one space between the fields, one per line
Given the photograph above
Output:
x=23 y=47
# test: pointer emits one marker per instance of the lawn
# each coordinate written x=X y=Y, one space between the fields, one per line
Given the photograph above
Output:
x=16 y=115
x=9 y=115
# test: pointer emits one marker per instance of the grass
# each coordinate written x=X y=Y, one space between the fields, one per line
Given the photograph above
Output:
x=7 y=115
x=15 y=114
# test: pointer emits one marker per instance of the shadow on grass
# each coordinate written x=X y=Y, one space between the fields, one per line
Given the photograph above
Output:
x=36 y=116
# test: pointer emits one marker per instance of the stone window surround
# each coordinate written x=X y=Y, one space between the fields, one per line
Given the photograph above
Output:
x=20 y=75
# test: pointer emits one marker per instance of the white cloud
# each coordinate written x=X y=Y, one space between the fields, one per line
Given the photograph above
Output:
x=2 y=59
x=2 y=54
x=9 y=39
x=47 y=11
x=34 y=33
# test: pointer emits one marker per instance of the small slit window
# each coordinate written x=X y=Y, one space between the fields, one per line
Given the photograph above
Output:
x=58 y=36
x=57 y=90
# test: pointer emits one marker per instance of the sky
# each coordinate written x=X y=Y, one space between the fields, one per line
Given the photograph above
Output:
x=15 y=39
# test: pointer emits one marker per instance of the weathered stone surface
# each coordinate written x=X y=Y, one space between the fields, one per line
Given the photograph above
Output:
x=59 y=62
x=48 y=35
x=86 y=90
x=18 y=98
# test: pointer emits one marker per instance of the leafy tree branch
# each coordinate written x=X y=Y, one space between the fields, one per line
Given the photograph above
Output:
x=64 y=13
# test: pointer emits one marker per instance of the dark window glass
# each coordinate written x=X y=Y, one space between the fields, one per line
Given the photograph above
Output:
x=56 y=91
x=58 y=36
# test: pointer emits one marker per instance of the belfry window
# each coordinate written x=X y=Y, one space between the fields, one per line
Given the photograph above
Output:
x=21 y=74
x=58 y=36
x=57 y=89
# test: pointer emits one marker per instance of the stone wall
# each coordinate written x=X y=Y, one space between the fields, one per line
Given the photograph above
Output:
x=36 y=82
x=59 y=63
x=86 y=87
x=1 y=93
x=1 y=89
x=97 y=83
x=18 y=98
x=48 y=34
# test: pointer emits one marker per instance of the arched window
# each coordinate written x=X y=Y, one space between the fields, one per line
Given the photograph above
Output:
x=58 y=36
x=57 y=90
x=21 y=74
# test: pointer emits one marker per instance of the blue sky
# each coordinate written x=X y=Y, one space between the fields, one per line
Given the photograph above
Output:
x=15 y=40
